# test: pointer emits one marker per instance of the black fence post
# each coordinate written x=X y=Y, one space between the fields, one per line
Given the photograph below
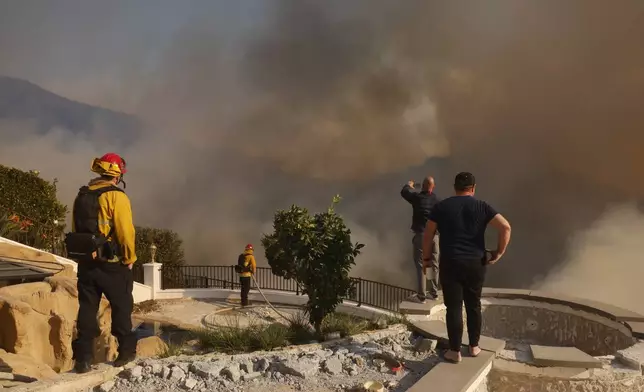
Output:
x=232 y=277
x=359 y=291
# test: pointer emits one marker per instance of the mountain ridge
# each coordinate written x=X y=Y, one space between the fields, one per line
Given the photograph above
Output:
x=23 y=100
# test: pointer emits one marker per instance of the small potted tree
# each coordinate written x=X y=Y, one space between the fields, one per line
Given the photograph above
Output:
x=317 y=252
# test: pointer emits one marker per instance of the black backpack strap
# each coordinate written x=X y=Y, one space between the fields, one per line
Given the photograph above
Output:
x=99 y=192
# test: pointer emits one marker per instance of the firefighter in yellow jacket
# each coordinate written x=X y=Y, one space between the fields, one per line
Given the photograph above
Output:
x=102 y=243
x=246 y=267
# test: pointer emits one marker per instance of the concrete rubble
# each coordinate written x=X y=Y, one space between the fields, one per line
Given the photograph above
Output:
x=334 y=368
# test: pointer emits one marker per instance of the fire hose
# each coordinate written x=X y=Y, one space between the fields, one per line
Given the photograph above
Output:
x=266 y=299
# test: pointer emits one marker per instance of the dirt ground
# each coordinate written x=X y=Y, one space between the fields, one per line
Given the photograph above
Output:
x=199 y=313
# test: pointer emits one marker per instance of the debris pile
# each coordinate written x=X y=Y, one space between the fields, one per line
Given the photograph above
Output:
x=397 y=361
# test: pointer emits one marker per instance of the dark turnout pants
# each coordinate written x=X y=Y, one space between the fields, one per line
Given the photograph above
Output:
x=462 y=281
x=116 y=282
x=245 y=289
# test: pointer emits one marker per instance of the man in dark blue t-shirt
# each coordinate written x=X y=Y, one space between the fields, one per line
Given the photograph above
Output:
x=461 y=221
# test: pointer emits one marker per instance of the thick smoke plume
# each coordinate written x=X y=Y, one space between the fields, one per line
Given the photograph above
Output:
x=540 y=99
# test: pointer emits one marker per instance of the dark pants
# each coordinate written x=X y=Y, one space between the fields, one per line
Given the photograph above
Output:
x=245 y=289
x=116 y=282
x=462 y=281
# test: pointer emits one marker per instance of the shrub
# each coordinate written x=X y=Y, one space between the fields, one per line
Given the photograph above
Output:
x=169 y=245
x=169 y=250
x=232 y=338
x=147 y=306
x=172 y=349
x=30 y=202
x=271 y=336
x=345 y=324
x=317 y=252
x=8 y=227
x=300 y=328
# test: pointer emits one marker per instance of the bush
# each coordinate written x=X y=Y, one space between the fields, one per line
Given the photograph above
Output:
x=31 y=205
x=317 y=252
x=172 y=350
x=233 y=338
x=345 y=324
x=169 y=246
x=300 y=328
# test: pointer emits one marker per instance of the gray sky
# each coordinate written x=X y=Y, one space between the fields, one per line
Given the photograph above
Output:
x=258 y=104
x=90 y=50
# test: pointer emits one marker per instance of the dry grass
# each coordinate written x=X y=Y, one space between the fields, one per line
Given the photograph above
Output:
x=148 y=306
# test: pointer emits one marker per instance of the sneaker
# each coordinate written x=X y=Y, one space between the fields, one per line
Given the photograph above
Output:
x=123 y=360
x=431 y=296
x=418 y=299
x=82 y=367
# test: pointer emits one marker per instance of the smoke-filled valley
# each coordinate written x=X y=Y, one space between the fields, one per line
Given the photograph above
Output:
x=247 y=108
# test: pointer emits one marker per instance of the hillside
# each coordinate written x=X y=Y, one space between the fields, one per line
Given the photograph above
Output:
x=22 y=100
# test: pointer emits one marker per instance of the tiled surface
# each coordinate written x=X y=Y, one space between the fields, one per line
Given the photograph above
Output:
x=563 y=357
x=449 y=377
x=438 y=330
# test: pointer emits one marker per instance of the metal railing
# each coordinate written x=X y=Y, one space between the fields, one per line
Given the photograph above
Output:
x=137 y=273
x=367 y=292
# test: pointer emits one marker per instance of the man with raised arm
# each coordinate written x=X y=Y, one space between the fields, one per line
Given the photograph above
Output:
x=422 y=203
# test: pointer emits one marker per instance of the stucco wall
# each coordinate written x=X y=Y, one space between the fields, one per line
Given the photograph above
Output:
x=502 y=381
x=548 y=324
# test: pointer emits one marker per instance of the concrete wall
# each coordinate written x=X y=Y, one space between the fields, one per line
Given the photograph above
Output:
x=504 y=381
x=140 y=291
x=59 y=259
x=550 y=324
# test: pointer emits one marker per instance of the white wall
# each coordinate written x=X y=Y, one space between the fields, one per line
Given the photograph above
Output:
x=59 y=259
x=140 y=291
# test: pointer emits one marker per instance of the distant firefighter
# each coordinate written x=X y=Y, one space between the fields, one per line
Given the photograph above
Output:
x=246 y=267
x=422 y=203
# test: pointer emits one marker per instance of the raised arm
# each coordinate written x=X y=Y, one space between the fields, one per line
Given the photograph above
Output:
x=408 y=192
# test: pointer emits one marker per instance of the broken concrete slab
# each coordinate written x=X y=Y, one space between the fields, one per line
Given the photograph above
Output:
x=434 y=329
x=562 y=357
x=448 y=377
x=632 y=357
x=72 y=382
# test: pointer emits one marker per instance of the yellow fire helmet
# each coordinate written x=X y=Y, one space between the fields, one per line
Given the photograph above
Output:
x=110 y=164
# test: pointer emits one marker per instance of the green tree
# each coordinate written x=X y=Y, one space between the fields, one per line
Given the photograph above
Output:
x=30 y=210
x=317 y=252
x=169 y=252
x=169 y=246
